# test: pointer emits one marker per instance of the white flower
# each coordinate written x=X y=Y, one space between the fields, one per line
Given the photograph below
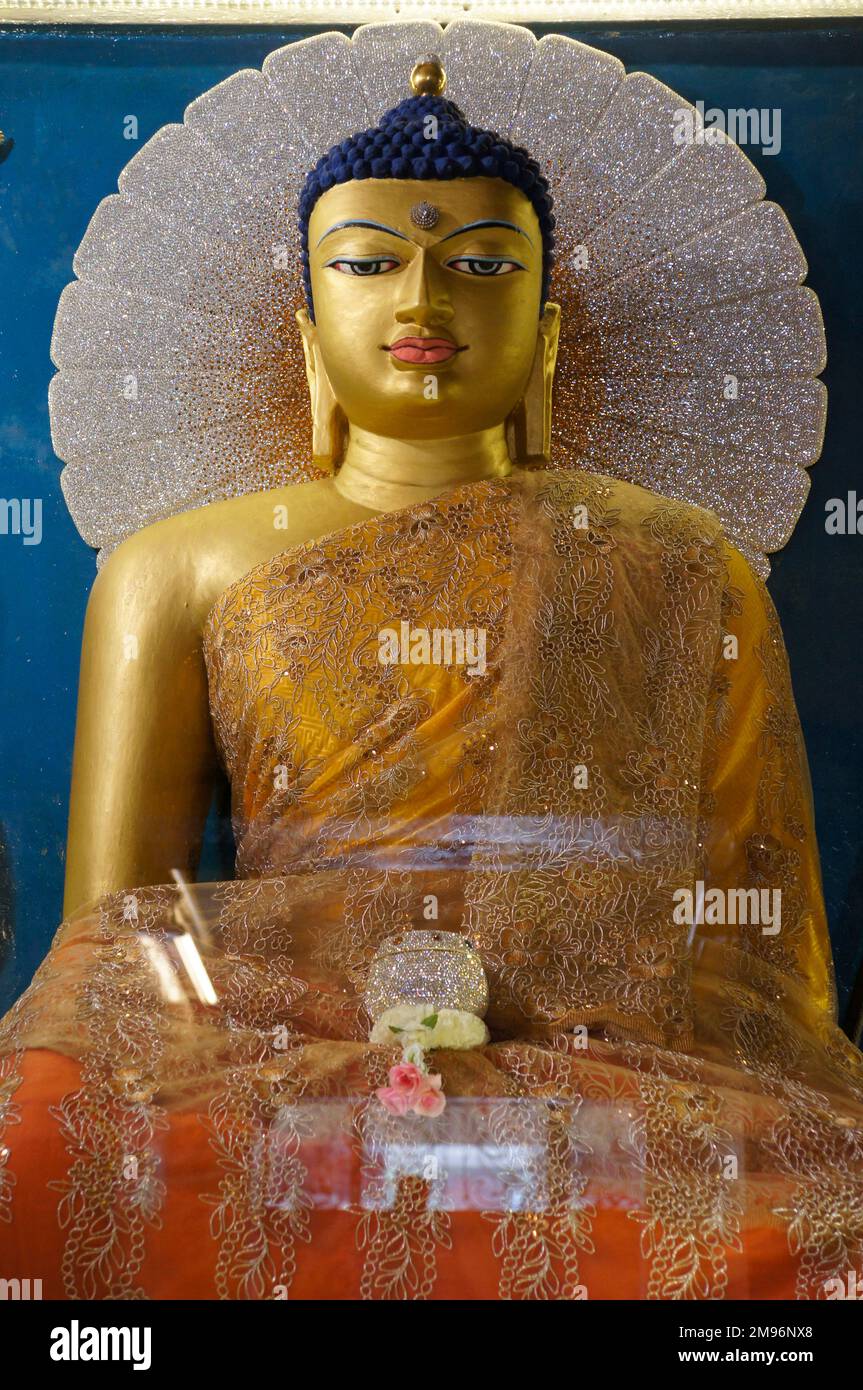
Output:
x=425 y=1027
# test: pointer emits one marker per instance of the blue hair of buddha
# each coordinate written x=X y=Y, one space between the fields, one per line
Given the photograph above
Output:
x=400 y=148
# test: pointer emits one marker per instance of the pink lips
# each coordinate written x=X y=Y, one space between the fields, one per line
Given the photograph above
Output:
x=423 y=350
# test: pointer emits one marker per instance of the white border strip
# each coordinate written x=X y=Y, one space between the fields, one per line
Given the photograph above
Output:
x=365 y=11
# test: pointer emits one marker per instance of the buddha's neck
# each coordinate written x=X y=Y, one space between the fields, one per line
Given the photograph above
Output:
x=386 y=474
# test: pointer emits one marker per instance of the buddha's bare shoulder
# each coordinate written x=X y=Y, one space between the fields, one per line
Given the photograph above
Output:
x=186 y=561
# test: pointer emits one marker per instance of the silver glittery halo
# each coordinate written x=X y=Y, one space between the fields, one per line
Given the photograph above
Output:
x=689 y=347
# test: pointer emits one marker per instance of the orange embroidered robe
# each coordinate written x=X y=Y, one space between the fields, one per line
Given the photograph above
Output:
x=554 y=712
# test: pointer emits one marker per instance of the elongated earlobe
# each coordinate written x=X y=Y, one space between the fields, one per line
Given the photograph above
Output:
x=528 y=429
x=329 y=423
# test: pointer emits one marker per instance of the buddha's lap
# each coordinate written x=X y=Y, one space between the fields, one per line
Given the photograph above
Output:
x=207 y=1093
x=184 y=1250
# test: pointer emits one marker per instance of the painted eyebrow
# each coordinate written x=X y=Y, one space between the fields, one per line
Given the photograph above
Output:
x=362 y=222
x=490 y=222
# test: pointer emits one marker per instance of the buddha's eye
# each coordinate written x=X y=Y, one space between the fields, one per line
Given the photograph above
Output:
x=484 y=265
x=363 y=265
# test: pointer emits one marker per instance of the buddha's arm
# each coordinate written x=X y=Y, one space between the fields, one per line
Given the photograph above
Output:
x=757 y=800
x=144 y=758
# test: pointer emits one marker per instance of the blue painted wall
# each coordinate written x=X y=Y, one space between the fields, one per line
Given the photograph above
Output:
x=63 y=97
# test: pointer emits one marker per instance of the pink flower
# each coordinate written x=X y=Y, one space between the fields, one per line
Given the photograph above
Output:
x=431 y=1100
x=408 y=1080
x=412 y=1089
x=393 y=1100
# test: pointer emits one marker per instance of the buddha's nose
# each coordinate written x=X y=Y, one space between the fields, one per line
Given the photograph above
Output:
x=425 y=301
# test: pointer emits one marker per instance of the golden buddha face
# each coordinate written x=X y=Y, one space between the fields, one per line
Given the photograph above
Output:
x=425 y=333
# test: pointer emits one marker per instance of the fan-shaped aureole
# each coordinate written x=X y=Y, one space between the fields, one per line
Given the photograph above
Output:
x=689 y=348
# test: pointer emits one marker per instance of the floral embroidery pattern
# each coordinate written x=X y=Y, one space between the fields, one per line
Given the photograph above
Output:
x=550 y=807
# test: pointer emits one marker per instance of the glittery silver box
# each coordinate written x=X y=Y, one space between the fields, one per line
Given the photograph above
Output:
x=427 y=967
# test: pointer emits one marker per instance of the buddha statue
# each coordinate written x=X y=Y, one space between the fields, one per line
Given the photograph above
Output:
x=415 y=421
x=606 y=807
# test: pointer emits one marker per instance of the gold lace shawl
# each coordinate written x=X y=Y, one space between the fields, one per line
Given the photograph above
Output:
x=634 y=733
x=626 y=640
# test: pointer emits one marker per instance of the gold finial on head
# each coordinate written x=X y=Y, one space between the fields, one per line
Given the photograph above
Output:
x=428 y=78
